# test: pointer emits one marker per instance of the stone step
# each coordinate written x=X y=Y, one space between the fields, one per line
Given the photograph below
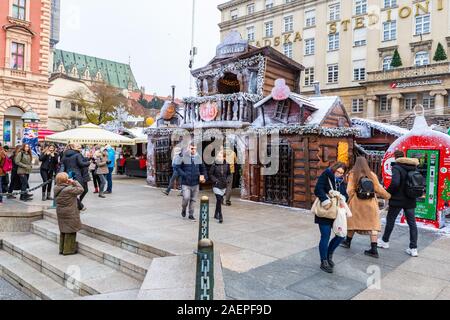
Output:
x=82 y=275
x=115 y=239
x=132 y=264
x=34 y=284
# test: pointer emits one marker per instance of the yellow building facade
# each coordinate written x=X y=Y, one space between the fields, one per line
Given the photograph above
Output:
x=350 y=46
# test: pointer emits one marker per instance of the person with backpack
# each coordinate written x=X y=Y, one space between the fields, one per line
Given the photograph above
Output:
x=363 y=189
x=24 y=160
x=406 y=187
x=49 y=163
x=329 y=181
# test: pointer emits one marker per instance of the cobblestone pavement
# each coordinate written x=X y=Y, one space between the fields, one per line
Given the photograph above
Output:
x=270 y=252
x=8 y=292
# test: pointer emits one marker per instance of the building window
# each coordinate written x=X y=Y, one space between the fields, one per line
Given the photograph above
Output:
x=310 y=18
x=335 y=12
x=360 y=37
x=360 y=7
x=17 y=56
x=234 y=14
x=73 y=106
x=251 y=8
x=428 y=102
x=282 y=113
x=385 y=104
x=410 y=102
x=387 y=63
x=269 y=29
x=357 y=105
x=422 y=59
x=333 y=73
x=58 y=104
x=269 y=4
x=287 y=49
x=423 y=24
x=289 y=24
x=359 y=74
x=309 y=76
x=390 y=3
x=19 y=9
x=251 y=33
x=333 y=41
x=389 y=30
x=310 y=46
x=289 y=1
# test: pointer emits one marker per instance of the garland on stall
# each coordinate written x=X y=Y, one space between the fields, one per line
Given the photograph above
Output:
x=382 y=127
x=223 y=97
x=239 y=65
x=304 y=130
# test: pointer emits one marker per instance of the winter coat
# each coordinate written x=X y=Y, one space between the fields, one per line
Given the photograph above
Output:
x=400 y=170
x=24 y=163
x=190 y=172
x=67 y=207
x=49 y=162
x=219 y=173
x=73 y=161
x=323 y=188
x=102 y=167
x=15 y=180
x=111 y=158
x=366 y=213
x=2 y=163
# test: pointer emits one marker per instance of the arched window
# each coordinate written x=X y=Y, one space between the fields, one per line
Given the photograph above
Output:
x=422 y=58
x=387 y=63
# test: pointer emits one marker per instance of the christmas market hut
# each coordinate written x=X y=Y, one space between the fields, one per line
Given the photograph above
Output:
x=228 y=87
x=312 y=134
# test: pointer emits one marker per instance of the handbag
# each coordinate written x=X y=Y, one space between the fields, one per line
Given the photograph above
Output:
x=321 y=212
x=340 y=224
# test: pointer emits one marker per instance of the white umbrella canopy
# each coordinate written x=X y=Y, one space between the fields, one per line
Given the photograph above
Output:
x=90 y=134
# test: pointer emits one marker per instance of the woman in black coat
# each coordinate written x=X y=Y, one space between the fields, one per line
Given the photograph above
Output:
x=77 y=167
x=49 y=163
x=219 y=173
x=14 y=183
x=331 y=179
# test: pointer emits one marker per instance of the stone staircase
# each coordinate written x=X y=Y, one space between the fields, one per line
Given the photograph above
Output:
x=107 y=265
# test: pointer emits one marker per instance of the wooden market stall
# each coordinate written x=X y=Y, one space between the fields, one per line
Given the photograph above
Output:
x=228 y=88
x=314 y=133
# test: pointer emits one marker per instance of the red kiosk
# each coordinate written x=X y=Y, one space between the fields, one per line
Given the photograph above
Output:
x=432 y=148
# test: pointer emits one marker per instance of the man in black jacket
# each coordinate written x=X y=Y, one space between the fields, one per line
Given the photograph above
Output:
x=400 y=201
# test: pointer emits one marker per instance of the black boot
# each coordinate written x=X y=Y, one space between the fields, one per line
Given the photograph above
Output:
x=44 y=196
x=347 y=243
x=325 y=266
x=49 y=196
x=373 y=252
x=330 y=260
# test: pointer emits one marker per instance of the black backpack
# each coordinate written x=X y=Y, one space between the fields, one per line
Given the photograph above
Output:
x=415 y=184
x=366 y=189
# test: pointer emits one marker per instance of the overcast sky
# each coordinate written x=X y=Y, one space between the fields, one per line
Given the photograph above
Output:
x=155 y=34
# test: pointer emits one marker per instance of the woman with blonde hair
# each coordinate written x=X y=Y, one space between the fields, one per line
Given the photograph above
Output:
x=67 y=211
x=363 y=189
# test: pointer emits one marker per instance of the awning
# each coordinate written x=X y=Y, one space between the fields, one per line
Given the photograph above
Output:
x=45 y=133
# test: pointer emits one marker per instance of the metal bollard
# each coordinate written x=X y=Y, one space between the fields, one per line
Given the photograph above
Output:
x=204 y=219
x=204 y=289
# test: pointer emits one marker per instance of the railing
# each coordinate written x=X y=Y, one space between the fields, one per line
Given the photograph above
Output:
x=230 y=108
x=204 y=288
x=409 y=72
x=15 y=73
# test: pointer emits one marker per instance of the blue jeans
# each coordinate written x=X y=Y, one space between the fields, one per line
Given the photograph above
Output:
x=326 y=247
x=174 y=178
x=109 y=179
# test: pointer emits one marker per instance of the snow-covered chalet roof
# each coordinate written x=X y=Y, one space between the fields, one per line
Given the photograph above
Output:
x=382 y=127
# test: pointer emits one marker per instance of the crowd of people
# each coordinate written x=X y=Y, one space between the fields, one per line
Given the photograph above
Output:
x=359 y=192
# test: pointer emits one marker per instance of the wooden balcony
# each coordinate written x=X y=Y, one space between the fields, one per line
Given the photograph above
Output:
x=409 y=72
x=233 y=111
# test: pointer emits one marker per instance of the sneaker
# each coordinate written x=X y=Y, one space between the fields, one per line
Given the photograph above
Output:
x=325 y=266
x=10 y=197
x=192 y=218
x=382 y=244
x=412 y=252
x=228 y=203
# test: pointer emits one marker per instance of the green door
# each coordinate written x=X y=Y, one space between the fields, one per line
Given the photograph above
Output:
x=429 y=168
